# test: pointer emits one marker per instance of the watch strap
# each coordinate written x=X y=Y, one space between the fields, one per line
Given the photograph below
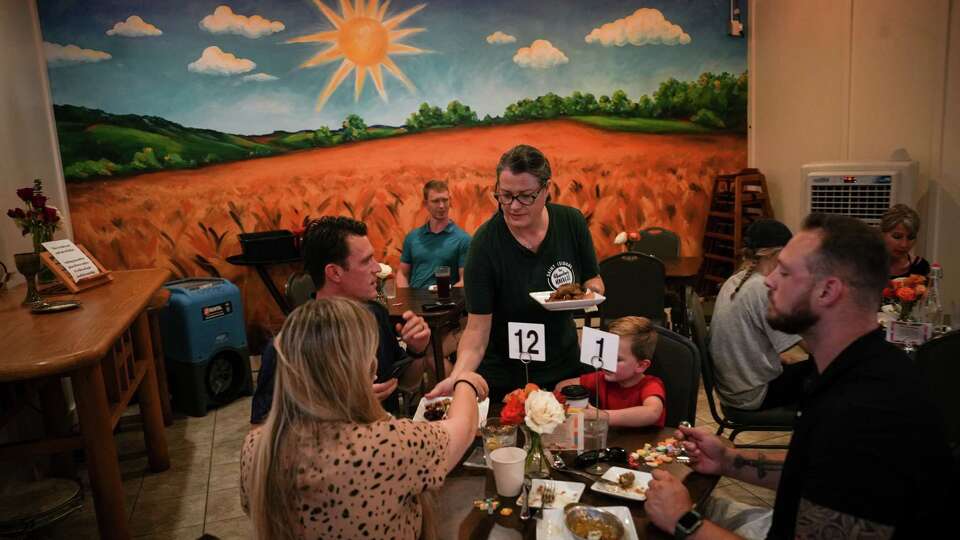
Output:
x=680 y=532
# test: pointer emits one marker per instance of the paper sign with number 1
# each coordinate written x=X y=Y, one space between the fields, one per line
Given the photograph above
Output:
x=597 y=343
x=527 y=341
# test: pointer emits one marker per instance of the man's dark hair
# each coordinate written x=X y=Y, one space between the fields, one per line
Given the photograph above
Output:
x=525 y=159
x=325 y=242
x=853 y=251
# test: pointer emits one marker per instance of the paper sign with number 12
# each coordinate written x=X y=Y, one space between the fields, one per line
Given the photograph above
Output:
x=527 y=341
x=597 y=343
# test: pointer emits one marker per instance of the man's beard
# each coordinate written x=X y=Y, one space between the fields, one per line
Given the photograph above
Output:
x=800 y=320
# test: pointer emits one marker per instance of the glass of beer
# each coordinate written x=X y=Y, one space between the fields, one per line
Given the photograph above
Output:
x=442 y=274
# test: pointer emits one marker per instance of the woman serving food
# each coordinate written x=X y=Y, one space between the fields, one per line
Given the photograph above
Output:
x=529 y=245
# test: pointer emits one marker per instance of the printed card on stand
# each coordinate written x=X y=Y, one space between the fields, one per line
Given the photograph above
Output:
x=527 y=341
x=73 y=260
x=597 y=343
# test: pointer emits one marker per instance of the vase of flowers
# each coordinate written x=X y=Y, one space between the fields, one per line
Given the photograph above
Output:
x=40 y=221
x=903 y=294
x=538 y=412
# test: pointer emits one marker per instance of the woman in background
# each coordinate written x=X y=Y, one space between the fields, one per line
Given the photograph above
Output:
x=900 y=226
x=329 y=462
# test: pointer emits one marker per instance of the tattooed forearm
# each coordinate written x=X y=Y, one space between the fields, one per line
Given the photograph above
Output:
x=815 y=521
x=761 y=464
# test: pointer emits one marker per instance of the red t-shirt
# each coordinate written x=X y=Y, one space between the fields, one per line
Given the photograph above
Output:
x=613 y=396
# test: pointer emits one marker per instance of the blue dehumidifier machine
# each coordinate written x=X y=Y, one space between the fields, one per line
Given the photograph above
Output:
x=205 y=344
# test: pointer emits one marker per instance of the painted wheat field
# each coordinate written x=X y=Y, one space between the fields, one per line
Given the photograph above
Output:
x=188 y=220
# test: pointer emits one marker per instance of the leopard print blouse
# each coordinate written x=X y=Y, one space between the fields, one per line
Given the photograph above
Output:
x=357 y=480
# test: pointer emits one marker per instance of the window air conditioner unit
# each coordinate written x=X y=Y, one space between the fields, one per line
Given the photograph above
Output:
x=860 y=189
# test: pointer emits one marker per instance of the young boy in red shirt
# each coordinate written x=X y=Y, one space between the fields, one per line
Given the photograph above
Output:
x=631 y=397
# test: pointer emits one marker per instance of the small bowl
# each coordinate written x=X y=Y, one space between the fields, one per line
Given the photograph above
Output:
x=575 y=512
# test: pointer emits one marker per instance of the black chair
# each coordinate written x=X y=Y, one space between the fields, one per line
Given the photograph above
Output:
x=736 y=420
x=938 y=362
x=677 y=362
x=657 y=241
x=298 y=289
x=634 y=286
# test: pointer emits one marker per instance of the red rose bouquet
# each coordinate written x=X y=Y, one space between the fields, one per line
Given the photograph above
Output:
x=35 y=218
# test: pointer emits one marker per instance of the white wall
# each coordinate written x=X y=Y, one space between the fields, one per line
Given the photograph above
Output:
x=855 y=80
x=27 y=135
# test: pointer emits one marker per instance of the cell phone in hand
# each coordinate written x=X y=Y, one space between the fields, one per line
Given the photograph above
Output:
x=398 y=368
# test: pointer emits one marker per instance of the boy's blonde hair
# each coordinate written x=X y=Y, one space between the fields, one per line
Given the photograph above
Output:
x=643 y=333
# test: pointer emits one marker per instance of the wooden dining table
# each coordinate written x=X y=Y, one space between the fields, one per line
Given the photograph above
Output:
x=105 y=348
x=440 y=321
x=481 y=525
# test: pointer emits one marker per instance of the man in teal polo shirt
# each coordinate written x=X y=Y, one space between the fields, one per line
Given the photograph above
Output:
x=439 y=242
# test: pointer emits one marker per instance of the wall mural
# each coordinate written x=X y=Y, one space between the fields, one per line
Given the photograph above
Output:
x=184 y=123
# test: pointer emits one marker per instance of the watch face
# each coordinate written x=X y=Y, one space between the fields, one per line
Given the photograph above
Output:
x=688 y=520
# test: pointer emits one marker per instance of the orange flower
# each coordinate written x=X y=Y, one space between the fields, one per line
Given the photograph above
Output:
x=513 y=413
x=530 y=388
x=915 y=279
x=921 y=289
x=899 y=283
x=906 y=294
x=888 y=292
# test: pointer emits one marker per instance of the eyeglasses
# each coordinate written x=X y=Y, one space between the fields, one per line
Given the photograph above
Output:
x=526 y=199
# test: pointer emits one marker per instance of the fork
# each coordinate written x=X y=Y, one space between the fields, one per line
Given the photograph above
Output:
x=682 y=457
x=549 y=494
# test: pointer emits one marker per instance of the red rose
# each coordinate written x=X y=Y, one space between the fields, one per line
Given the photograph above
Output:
x=16 y=213
x=25 y=194
x=906 y=294
x=513 y=413
x=39 y=201
x=562 y=399
x=888 y=292
x=50 y=215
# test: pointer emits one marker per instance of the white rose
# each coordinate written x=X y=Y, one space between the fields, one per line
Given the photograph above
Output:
x=621 y=238
x=385 y=271
x=543 y=412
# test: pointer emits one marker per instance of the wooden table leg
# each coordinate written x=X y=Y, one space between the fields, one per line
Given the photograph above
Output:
x=150 y=407
x=102 y=462
x=160 y=366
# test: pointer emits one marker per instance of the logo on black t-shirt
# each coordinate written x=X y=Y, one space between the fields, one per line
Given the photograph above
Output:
x=559 y=274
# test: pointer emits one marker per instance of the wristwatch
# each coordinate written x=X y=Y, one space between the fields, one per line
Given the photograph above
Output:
x=687 y=524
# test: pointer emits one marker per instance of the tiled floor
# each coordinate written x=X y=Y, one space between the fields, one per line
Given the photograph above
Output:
x=200 y=495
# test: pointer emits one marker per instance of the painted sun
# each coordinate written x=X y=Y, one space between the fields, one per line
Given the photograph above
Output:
x=364 y=40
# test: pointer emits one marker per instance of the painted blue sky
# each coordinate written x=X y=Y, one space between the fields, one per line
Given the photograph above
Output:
x=156 y=58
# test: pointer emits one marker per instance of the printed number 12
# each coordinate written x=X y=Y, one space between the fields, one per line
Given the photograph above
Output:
x=534 y=337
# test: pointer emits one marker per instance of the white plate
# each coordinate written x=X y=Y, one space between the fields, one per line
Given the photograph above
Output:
x=483 y=406
x=566 y=305
x=636 y=492
x=552 y=527
x=565 y=493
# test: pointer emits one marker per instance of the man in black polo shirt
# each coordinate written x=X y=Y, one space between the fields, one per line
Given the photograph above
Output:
x=529 y=245
x=867 y=458
x=340 y=259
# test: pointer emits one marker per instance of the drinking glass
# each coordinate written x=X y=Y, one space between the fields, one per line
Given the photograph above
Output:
x=596 y=423
x=496 y=434
x=390 y=288
x=442 y=275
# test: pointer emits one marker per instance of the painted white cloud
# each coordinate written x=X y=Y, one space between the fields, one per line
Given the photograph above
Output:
x=499 y=37
x=64 y=55
x=134 y=26
x=259 y=77
x=541 y=54
x=646 y=26
x=213 y=61
x=225 y=21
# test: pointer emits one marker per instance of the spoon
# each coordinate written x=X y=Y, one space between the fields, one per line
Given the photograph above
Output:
x=525 y=497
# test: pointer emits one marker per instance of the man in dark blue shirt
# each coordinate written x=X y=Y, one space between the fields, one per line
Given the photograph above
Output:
x=339 y=257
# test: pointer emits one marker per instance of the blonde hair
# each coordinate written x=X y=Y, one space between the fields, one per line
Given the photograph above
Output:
x=326 y=357
x=900 y=214
x=641 y=331
x=750 y=259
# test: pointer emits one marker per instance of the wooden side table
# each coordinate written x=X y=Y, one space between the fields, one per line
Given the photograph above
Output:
x=105 y=348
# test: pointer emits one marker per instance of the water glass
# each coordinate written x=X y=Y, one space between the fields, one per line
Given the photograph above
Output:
x=496 y=434
x=390 y=288
x=596 y=424
x=442 y=275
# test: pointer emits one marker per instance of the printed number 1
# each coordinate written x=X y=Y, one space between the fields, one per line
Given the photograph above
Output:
x=531 y=335
x=600 y=343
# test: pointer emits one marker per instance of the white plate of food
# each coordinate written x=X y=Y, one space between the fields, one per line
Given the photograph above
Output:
x=564 y=493
x=552 y=526
x=631 y=484
x=567 y=297
x=430 y=410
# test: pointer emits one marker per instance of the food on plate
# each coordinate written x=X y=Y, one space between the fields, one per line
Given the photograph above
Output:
x=655 y=455
x=571 y=291
x=626 y=479
x=436 y=410
x=595 y=524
